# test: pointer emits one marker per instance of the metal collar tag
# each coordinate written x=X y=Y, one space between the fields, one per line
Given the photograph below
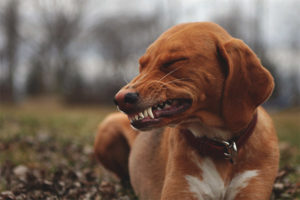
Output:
x=231 y=151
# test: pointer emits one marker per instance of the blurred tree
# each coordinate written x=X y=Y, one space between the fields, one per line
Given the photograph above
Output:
x=76 y=90
x=9 y=20
x=121 y=40
x=295 y=47
x=53 y=54
x=36 y=80
x=295 y=89
x=121 y=36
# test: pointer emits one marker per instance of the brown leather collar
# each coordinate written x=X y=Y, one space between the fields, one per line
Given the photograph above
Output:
x=225 y=149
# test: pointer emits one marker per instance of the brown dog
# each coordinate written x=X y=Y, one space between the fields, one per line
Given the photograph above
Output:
x=198 y=130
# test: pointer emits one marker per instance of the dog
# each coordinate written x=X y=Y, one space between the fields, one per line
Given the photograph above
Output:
x=191 y=125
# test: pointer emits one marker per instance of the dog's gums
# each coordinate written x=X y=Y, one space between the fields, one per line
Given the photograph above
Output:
x=156 y=113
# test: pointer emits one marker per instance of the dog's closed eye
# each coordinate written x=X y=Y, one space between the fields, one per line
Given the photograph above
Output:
x=173 y=61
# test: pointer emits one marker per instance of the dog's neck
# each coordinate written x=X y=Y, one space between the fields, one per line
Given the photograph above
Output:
x=206 y=124
x=201 y=130
x=214 y=142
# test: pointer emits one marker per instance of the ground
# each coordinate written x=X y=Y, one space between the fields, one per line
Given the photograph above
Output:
x=46 y=152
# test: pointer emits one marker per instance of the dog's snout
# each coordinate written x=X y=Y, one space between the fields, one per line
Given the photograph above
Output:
x=126 y=99
x=115 y=101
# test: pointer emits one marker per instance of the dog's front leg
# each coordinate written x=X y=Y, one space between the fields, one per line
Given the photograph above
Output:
x=175 y=188
x=258 y=188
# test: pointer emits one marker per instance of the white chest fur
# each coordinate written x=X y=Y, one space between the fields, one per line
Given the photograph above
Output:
x=212 y=186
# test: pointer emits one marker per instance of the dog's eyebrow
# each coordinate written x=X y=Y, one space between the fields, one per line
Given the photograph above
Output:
x=175 y=49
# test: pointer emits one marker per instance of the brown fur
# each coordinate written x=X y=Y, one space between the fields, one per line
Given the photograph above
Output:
x=226 y=83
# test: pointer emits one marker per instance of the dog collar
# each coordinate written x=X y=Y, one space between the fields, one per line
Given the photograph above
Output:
x=226 y=149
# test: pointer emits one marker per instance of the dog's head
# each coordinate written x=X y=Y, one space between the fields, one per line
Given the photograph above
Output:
x=196 y=71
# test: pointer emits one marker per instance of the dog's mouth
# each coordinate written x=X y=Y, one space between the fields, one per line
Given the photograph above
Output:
x=153 y=115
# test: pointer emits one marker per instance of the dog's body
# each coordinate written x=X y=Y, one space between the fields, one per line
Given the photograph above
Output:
x=194 y=79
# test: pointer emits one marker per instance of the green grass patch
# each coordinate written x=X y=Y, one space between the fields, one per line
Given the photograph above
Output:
x=287 y=125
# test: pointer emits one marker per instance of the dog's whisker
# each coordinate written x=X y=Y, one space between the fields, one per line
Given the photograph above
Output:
x=171 y=72
x=140 y=78
x=126 y=81
x=166 y=83
x=179 y=79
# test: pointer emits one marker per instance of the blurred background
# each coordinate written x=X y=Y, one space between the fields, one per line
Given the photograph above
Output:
x=62 y=61
x=83 y=51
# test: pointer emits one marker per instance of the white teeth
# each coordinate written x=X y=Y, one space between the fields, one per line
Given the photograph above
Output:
x=150 y=112
x=158 y=108
x=146 y=113
x=141 y=115
x=167 y=105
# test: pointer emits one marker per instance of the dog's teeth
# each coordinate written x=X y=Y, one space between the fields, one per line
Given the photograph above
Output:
x=141 y=115
x=146 y=113
x=162 y=105
x=158 y=108
x=150 y=112
x=136 y=117
x=169 y=102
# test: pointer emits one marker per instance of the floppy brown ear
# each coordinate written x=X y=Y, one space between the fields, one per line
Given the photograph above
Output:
x=248 y=84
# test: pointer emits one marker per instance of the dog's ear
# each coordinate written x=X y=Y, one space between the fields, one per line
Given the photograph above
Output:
x=247 y=85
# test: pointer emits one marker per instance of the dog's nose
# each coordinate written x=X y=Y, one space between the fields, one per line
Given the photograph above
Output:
x=125 y=99
x=131 y=98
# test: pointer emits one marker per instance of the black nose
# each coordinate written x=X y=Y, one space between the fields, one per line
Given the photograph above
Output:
x=131 y=98
x=123 y=98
